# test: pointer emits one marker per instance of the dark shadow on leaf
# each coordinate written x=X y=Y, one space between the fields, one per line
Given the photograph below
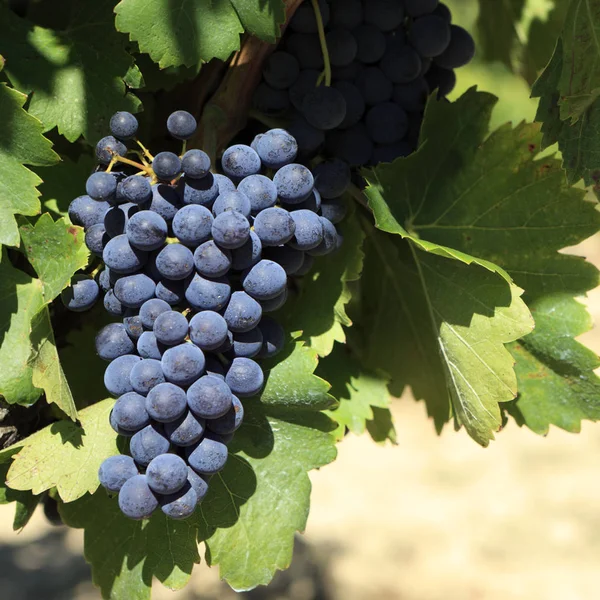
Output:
x=269 y=364
x=69 y=432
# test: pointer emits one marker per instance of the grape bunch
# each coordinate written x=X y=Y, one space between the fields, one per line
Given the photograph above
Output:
x=385 y=56
x=193 y=260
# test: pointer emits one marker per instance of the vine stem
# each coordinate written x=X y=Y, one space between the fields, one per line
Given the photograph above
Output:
x=324 y=49
x=133 y=163
x=111 y=164
x=144 y=150
x=225 y=111
x=141 y=156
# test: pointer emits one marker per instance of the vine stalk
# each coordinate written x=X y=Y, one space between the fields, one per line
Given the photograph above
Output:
x=226 y=113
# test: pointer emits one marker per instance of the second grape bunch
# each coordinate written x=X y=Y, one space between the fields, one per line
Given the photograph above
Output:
x=193 y=261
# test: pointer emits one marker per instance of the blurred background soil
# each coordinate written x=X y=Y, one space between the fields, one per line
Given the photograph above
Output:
x=430 y=519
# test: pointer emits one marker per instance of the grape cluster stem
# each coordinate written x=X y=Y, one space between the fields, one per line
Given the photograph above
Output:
x=326 y=75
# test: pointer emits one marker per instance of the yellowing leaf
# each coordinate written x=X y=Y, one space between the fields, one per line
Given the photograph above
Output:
x=66 y=455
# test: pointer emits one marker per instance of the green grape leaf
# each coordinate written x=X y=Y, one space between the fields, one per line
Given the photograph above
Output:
x=487 y=198
x=248 y=519
x=578 y=142
x=497 y=27
x=83 y=368
x=358 y=391
x=125 y=555
x=440 y=326
x=557 y=383
x=541 y=40
x=262 y=18
x=70 y=88
x=256 y=505
x=181 y=32
x=21 y=143
x=579 y=85
x=47 y=372
x=56 y=250
x=66 y=455
x=25 y=502
x=381 y=426
x=64 y=182
x=21 y=298
x=156 y=79
x=317 y=314
x=492 y=198
x=291 y=383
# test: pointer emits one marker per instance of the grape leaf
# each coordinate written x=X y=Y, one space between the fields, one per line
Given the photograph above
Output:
x=70 y=87
x=47 y=372
x=317 y=314
x=262 y=18
x=497 y=28
x=156 y=79
x=56 y=250
x=381 y=426
x=557 y=383
x=290 y=380
x=125 y=555
x=262 y=497
x=66 y=455
x=248 y=520
x=21 y=298
x=578 y=142
x=25 y=502
x=181 y=32
x=543 y=33
x=358 y=392
x=440 y=326
x=21 y=143
x=579 y=85
x=494 y=199
x=83 y=368
x=488 y=198
x=64 y=182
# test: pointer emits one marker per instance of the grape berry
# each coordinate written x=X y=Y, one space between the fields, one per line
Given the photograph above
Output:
x=386 y=57
x=192 y=262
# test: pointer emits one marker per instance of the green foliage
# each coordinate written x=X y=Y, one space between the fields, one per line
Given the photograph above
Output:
x=56 y=250
x=497 y=27
x=125 y=555
x=186 y=32
x=440 y=326
x=47 y=371
x=578 y=141
x=64 y=182
x=28 y=350
x=579 y=84
x=291 y=382
x=317 y=314
x=21 y=143
x=261 y=499
x=437 y=295
x=25 y=502
x=557 y=383
x=363 y=396
x=65 y=455
x=247 y=521
x=488 y=202
x=21 y=298
x=568 y=90
x=71 y=87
